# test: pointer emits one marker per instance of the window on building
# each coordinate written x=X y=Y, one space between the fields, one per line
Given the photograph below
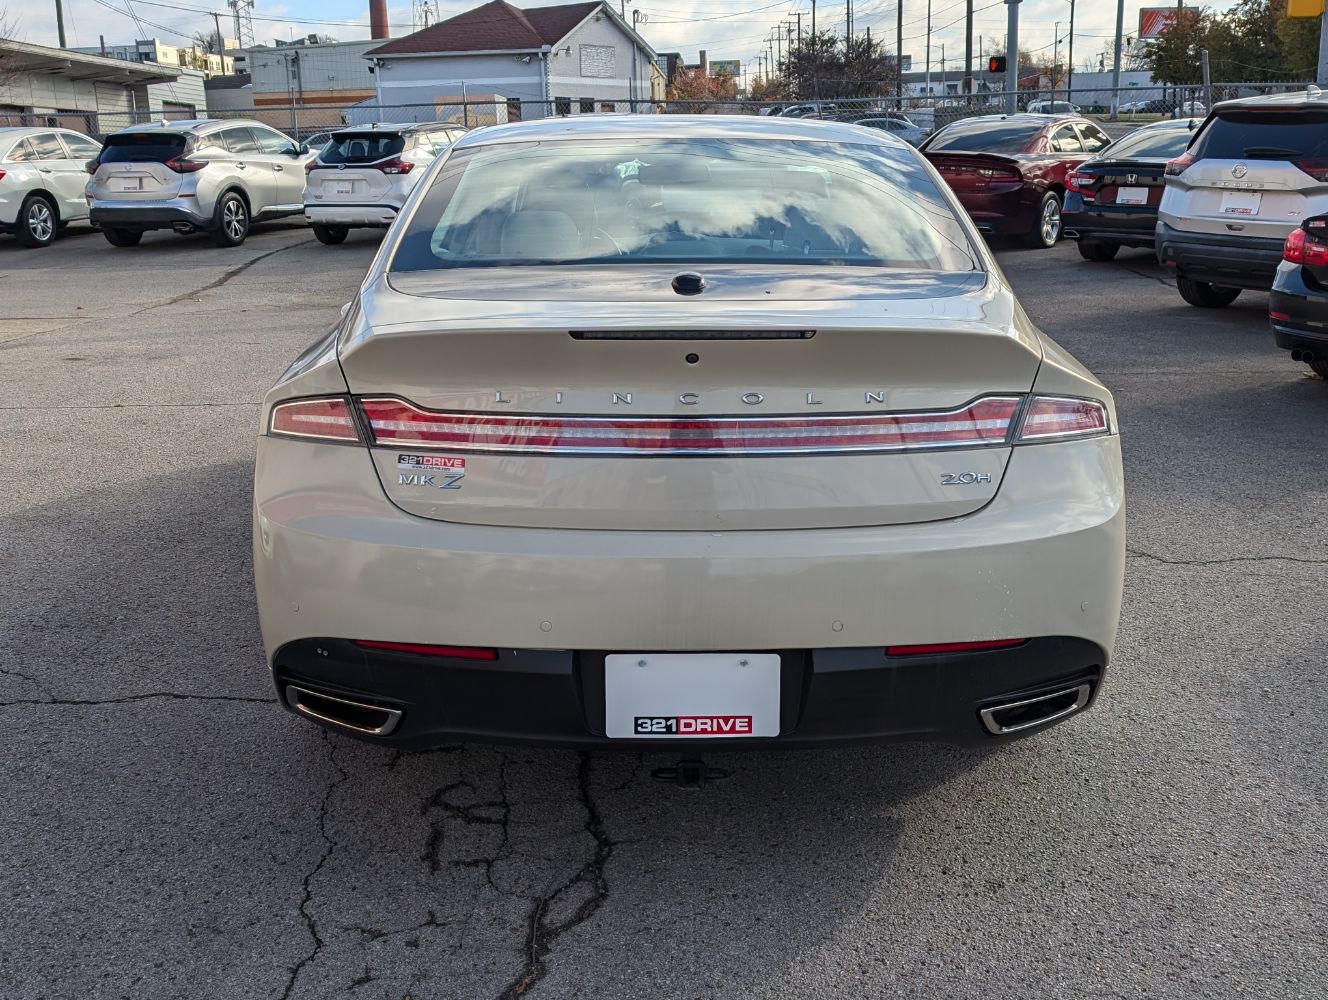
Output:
x=587 y=105
x=562 y=106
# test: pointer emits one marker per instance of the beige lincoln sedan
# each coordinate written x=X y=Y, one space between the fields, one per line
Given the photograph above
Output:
x=672 y=431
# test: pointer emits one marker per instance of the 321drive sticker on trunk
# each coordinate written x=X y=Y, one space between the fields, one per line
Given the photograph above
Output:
x=441 y=472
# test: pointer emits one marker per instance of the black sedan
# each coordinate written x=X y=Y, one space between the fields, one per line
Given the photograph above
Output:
x=1111 y=200
x=1298 y=304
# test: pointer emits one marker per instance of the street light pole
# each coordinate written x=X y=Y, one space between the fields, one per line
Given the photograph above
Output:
x=1012 y=56
x=928 y=67
x=1115 y=73
x=1069 y=80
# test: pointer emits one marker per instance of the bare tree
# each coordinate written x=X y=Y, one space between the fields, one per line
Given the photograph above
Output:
x=9 y=72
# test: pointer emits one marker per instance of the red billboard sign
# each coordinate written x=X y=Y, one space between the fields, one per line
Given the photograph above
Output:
x=1155 y=20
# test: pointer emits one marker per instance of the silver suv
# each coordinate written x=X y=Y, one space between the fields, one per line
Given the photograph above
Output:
x=364 y=174
x=1252 y=173
x=209 y=175
x=41 y=181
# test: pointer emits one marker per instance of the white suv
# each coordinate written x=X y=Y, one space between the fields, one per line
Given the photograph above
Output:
x=42 y=172
x=362 y=177
x=1253 y=172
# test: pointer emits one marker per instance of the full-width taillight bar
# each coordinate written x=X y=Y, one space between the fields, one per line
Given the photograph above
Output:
x=397 y=422
x=990 y=420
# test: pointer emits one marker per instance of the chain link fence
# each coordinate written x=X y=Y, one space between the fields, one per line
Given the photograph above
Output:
x=1128 y=106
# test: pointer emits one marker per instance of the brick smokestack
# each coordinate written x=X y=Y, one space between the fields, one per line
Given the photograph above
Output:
x=378 y=19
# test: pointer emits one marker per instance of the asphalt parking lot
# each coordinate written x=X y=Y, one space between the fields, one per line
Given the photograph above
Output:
x=166 y=830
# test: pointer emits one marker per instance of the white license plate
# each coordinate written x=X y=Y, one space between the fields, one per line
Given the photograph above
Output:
x=1240 y=202
x=343 y=187
x=1131 y=196
x=691 y=695
x=126 y=183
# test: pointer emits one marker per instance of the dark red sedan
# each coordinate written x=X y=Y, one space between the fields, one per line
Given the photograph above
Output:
x=1009 y=170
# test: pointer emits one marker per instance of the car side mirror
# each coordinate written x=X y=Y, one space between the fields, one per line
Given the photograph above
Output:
x=299 y=150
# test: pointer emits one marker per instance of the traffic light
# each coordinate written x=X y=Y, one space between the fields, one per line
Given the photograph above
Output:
x=996 y=64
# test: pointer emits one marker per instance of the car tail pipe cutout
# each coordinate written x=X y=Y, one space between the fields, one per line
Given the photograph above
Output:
x=360 y=717
x=1008 y=717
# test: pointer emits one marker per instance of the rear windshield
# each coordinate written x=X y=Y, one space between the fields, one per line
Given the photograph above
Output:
x=1149 y=144
x=142 y=147
x=684 y=201
x=998 y=137
x=1264 y=135
x=362 y=147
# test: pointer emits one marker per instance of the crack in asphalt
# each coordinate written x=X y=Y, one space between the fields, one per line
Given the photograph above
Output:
x=31 y=680
x=226 y=276
x=1160 y=279
x=310 y=921
x=130 y=698
x=541 y=935
x=473 y=814
x=1139 y=553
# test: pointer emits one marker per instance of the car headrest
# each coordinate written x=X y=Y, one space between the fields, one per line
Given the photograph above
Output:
x=537 y=233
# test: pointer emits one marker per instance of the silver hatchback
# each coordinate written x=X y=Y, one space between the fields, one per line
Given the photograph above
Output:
x=197 y=175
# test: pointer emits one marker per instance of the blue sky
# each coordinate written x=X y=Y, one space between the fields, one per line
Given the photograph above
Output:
x=726 y=29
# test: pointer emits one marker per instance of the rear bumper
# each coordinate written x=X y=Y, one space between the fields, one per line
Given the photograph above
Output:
x=556 y=697
x=1010 y=212
x=358 y=216
x=1233 y=261
x=1129 y=226
x=135 y=216
x=334 y=557
x=1305 y=309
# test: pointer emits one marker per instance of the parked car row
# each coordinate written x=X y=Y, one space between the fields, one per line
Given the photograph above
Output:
x=209 y=175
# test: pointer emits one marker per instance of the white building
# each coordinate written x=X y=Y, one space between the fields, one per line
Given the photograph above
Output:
x=523 y=63
x=75 y=90
x=154 y=50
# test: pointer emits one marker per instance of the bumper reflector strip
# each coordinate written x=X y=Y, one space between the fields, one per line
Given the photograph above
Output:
x=425 y=649
x=986 y=421
x=952 y=647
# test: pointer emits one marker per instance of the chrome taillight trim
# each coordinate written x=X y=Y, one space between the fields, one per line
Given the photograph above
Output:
x=889 y=420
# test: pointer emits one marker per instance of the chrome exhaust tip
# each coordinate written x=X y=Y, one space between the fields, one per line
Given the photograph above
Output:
x=1071 y=234
x=1015 y=716
x=357 y=716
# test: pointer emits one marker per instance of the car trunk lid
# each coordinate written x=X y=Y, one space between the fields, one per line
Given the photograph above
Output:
x=604 y=399
x=133 y=166
x=975 y=172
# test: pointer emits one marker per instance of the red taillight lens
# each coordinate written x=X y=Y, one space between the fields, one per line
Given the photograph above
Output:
x=1316 y=167
x=311 y=165
x=396 y=422
x=425 y=649
x=1055 y=417
x=1077 y=182
x=316 y=419
x=1177 y=166
x=1301 y=248
x=952 y=647
x=998 y=174
x=395 y=166
x=92 y=166
x=182 y=166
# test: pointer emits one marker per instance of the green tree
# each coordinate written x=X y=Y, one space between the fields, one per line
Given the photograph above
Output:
x=1174 y=56
x=824 y=65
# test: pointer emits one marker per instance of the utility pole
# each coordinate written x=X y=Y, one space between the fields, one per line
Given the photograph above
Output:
x=848 y=24
x=1323 y=51
x=1069 y=81
x=779 y=44
x=813 y=18
x=1012 y=56
x=899 y=54
x=1055 y=54
x=1207 y=78
x=60 y=22
x=221 y=45
x=967 y=83
x=1115 y=73
x=928 y=57
x=799 y=29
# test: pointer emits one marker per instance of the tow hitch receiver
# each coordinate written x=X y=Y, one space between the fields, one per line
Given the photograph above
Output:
x=689 y=774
